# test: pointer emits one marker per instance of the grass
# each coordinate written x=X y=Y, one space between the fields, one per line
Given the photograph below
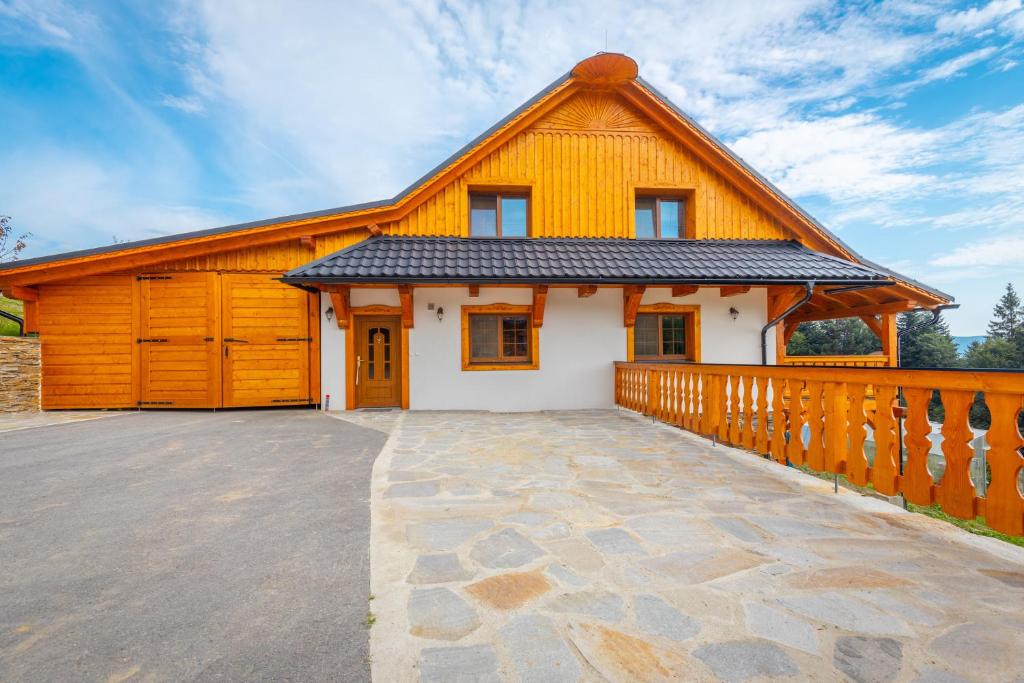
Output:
x=974 y=526
x=8 y=328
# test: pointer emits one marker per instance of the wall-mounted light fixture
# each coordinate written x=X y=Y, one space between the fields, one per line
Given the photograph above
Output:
x=733 y=312
x=440 y=313
x=329 y=314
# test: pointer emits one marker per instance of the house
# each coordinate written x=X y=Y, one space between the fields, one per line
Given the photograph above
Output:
x=596 y=223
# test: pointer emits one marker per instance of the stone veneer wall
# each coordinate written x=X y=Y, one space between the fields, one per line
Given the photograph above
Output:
x=19 y=374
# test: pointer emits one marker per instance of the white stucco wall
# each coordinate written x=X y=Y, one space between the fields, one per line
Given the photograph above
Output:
x=724 y=340
x=578 y=343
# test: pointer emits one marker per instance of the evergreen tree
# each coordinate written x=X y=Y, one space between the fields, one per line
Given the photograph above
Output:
x=930 y=346
x=993 y=353
x=1008 y=315
x=841 y=337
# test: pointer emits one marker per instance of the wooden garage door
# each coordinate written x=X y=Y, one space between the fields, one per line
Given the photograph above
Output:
x=265 y=326
x=88 y=339
x=179 y=359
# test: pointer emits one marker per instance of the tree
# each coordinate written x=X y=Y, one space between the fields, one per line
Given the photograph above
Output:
x=1008 y=315
x=11 y=246
x=993 y=353
x=923 y=345
x=841 y=337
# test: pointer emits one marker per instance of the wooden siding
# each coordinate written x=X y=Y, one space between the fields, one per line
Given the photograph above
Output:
x=584 y=162
x=88 y=343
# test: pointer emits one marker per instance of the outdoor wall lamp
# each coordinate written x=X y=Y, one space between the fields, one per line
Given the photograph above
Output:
x=329 y=314
x=733 y=313
x=440 y=313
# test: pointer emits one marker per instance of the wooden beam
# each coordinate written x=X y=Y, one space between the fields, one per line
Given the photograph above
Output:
x=874 y=324
x=308 y=241
x=781 y=298
x=733 y=290
x=684 y=290
x=889 y=340
x=789 y=329
x=854 y=311
x=586 y=290
x=31 y=315
x=340 y=303
x=474 y=291
x=405 y=296
x=374 y=229
x=21 y=293
x=631 y=295
x=540 y=299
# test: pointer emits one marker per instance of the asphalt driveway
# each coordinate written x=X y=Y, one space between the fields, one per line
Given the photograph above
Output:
x=185 y=546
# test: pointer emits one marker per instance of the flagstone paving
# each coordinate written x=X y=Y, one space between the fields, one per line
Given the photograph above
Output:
x=592 y=546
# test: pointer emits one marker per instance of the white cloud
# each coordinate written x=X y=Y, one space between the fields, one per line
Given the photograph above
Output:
x=190 y=104
x=975 y=18
x=1001 y=251
x=843 y=157
x=956 y=65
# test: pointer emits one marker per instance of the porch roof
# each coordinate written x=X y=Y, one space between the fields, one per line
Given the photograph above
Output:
x=402 y=259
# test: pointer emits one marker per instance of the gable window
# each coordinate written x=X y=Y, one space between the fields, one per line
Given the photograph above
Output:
x=666 y=332
x=497 y=214
x=498 y=337
x=660 y=217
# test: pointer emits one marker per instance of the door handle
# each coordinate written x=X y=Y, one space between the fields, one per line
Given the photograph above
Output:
x=359 y=364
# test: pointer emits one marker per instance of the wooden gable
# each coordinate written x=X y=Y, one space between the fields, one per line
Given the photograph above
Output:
x=583 y=148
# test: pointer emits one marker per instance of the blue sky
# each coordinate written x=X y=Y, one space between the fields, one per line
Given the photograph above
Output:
x=900 y=125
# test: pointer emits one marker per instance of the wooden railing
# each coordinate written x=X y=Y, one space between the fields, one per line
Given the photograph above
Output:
x=874 y=361
x=752 y=407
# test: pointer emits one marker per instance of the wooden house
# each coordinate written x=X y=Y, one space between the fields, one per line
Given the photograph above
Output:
x=596 y=223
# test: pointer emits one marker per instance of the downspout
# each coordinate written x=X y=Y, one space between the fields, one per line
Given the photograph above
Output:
x=15 y=319
x=809 y=287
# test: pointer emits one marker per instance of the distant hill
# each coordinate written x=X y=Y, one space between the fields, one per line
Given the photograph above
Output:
x=963 y=342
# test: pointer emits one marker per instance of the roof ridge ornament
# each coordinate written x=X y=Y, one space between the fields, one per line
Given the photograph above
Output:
x=606 y=69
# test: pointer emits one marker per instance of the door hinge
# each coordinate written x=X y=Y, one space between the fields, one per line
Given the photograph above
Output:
x=155 y=403
x=238 y=341
x=208 y=339
x=290 y=400
x=154 y=277
x=150 y=341
x=298 y=339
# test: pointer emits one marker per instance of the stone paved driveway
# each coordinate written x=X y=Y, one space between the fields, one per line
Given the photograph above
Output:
x=597 y=546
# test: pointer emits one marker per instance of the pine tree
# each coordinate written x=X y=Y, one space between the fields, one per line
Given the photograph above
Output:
x=930 y=346
x=1007 y=317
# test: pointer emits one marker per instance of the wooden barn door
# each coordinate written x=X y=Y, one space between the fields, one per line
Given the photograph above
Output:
x=265 y=327
x=179 y=349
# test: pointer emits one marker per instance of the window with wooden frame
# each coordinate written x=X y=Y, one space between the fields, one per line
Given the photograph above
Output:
x=498 y=337
x=499 y=214
x=666 y=332
x=660 y=217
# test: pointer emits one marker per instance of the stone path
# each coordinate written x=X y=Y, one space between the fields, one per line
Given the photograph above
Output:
x=592 y=546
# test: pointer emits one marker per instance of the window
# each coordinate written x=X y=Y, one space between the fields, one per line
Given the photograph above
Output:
x=498 y=337
x=669 y=332
x=498 y=215
x=660 y=217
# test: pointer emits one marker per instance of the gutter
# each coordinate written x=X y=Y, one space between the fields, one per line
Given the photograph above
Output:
x=808 y=293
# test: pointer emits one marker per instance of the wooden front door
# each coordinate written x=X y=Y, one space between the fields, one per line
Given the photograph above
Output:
x=378 y=361
x=179 y=341
x=267 y=342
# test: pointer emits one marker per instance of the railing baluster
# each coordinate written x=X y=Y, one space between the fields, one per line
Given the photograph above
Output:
x=815 y=418
x=835 y=426
x=748 y=412
x=917 y=485
x=795 y=448
x=761 y=437
x=778 y=442
x=1004 y=507
x=884 y=470
x=955 y=492
x=734 y=409
x=857 y=469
